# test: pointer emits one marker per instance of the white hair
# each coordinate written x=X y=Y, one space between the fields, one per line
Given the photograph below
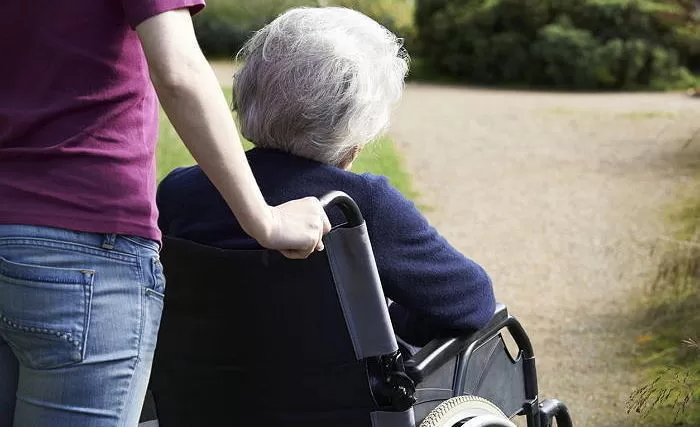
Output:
x=319 y=83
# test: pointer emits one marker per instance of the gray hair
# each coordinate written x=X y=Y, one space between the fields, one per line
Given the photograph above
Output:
x=319 y=83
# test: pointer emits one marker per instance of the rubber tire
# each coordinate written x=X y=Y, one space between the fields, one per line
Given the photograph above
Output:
x=463 y=408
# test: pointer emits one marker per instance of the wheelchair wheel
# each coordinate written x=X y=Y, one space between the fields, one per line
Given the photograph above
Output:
x=466 y=411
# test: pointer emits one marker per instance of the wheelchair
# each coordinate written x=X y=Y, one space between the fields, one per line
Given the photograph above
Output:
x=338 y=352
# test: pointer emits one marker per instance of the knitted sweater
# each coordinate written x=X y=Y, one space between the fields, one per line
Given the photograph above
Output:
x=436 y=290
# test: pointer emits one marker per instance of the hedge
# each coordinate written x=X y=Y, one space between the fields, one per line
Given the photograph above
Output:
x=568 y=44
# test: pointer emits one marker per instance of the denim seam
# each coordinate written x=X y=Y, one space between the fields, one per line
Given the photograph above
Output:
x=143 y=286
x=17 y=277
x=140 y=244
x=156 y=293
x=76 y=247
x=88 y=289
x=132 y=369
x=158 y=276
x=66 y=336
x=136 y=360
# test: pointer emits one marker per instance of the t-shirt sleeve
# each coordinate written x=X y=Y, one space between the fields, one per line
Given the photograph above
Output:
x=137 y=11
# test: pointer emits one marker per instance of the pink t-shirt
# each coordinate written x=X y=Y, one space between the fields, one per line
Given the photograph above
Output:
x=78 y=115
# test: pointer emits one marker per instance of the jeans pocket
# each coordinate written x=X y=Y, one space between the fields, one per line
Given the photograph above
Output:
x=158 y=277
x=44 y=313
x=152 y=309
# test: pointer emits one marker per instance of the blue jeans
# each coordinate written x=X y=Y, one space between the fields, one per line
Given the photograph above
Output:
x=79 y=318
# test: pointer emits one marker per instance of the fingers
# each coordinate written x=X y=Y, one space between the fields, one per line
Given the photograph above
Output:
x=325 y=228
x=319 y=245
x=298 y=253
x=326 y=221
x=301 y=228
x=292 y=254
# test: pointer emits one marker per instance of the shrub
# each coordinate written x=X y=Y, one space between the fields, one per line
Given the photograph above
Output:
x=579 y=44
x=224 y=25
x=396 y=15
x=564 y=54
x=219 y=37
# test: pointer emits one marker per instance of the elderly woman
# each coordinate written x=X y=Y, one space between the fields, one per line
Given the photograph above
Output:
x=317 y=86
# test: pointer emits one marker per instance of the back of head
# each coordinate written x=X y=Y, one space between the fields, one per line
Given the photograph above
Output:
x=319 y=82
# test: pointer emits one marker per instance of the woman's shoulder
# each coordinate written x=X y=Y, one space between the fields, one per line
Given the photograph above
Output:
x=181 y=174
x=387 y=208
x=182 y=183
x=383 y=193
x=184 y=179
x=371 y=192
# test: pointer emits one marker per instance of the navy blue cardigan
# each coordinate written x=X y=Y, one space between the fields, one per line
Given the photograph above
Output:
x=436 y=290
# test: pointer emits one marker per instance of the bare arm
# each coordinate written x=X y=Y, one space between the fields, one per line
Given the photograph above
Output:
x=192 y=98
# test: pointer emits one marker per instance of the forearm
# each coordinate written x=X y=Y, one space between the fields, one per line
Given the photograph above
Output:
x=415 y=329
x=438 y=287
x=198 y=110
x=437 y=295
x=192 y=98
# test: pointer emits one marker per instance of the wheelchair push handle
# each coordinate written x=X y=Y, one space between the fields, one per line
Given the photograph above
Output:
x=346 y=204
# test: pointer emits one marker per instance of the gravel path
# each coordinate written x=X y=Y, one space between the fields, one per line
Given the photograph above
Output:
x=555 y=195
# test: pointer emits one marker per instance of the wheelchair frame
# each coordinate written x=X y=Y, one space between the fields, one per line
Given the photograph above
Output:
x=439 y=352
x=442 y=369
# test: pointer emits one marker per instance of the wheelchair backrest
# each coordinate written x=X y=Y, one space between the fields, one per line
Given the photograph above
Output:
x=305 y=329
x=271 y=305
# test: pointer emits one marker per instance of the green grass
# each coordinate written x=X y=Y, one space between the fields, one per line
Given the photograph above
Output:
x=628 y=115
x=668 y=351
x=643 y=115
x=380 y=158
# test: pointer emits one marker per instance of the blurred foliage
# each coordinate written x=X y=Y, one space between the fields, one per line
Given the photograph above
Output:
x=396 y=15
x=224 y=25
x=568 y=44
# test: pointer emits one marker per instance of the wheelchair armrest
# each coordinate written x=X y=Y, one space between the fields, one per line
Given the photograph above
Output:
x=439 y=351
